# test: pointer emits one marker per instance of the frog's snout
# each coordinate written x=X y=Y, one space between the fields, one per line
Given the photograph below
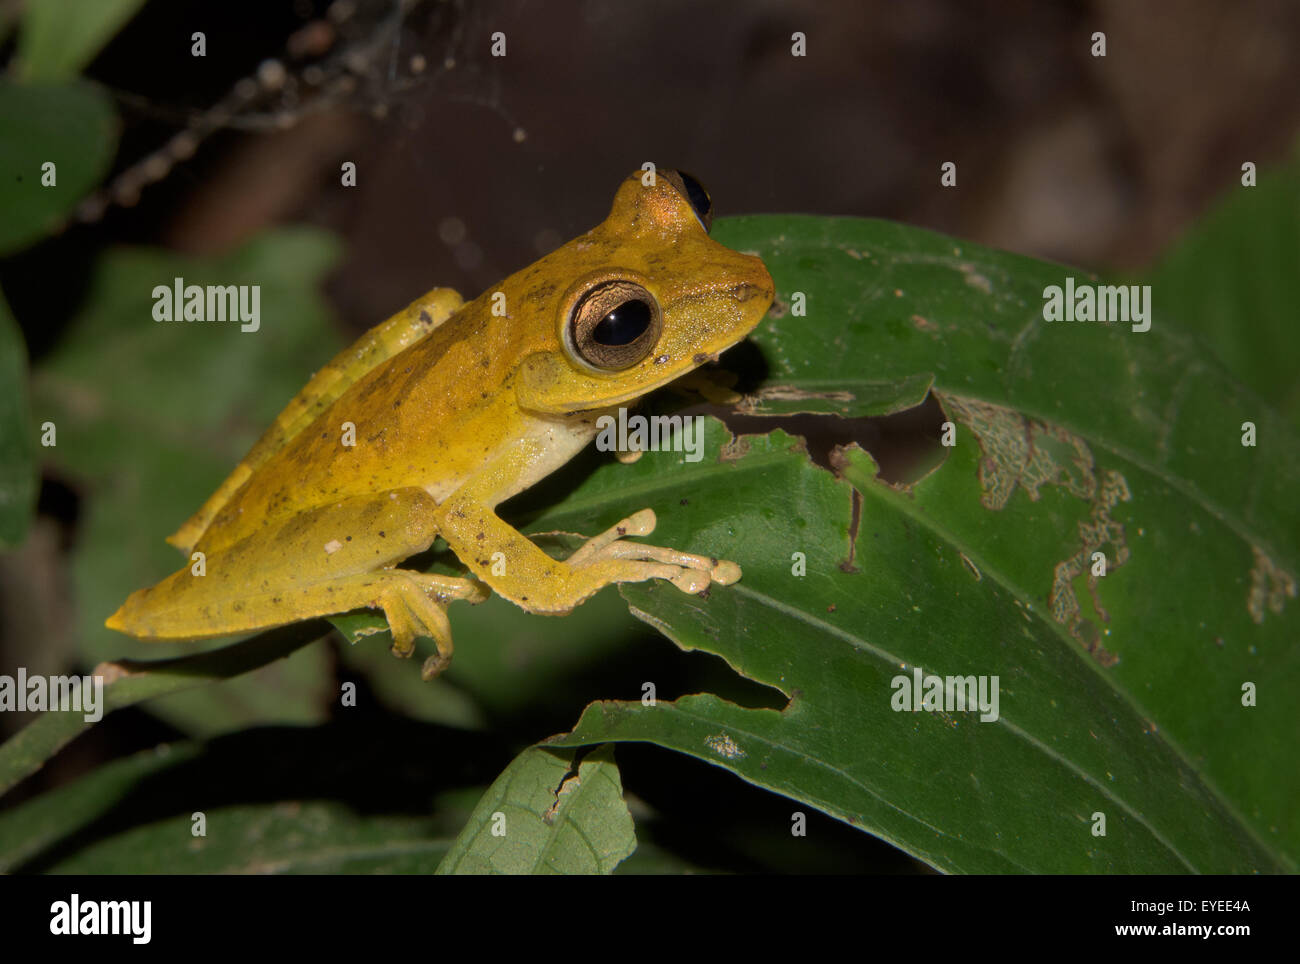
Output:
x=755 y=281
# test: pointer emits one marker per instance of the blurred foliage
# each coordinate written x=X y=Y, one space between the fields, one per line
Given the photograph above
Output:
x=1232 y=280
x=71 y=127
x=60 y=37
x=17 y=443
x=113 y=387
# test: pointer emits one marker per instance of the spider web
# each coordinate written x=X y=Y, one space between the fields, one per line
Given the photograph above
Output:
x=375 y=56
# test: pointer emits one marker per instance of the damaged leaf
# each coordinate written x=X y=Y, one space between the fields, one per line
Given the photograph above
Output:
x=1098 y=540
x=1015 y=793
x=550 y=812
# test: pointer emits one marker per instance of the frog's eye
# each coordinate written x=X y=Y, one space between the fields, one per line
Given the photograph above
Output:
x=614 y=325
x=694 y=192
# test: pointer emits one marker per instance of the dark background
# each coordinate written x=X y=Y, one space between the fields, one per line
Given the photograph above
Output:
x=474 y=165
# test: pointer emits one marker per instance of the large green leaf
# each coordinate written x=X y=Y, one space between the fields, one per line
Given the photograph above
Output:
x=73 y=127
x=17 y=447
x=543 y=816
x=1120 y=695
x=896 y=301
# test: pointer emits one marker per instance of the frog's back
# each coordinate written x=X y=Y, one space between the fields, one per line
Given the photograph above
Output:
x=373 y=348
x=425 y=417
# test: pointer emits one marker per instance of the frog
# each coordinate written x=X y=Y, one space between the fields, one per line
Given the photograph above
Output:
x=454 y=407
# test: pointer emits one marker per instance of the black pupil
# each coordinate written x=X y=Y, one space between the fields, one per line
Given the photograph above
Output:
x=696 y=194
x=624 y=325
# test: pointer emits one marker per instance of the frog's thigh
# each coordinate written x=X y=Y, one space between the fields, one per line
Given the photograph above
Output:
x=538 y=583
x=321 y=562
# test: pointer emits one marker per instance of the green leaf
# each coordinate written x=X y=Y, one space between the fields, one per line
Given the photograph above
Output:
x=541 y=817
x=1232 y=279
x=128 y=682
x=506 y=660
x=72 y=127
x=60 y=37
x=151 y=416
x=897 y=302
x=17 y=447
x=397 y=684
x=1120 y=695
x=29 y=828
x=313 y=837
x=136 y=815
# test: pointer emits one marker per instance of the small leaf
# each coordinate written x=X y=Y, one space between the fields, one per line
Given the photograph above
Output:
x=540 y=817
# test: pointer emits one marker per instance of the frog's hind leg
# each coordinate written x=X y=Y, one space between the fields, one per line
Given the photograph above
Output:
x=328 y=560
x=415 y=604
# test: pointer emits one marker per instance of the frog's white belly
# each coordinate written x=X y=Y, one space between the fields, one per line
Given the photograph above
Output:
x=544 y=443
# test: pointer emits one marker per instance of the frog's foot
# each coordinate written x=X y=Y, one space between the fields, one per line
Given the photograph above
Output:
x=415 y=604
x=444 y=589
x=687 y=571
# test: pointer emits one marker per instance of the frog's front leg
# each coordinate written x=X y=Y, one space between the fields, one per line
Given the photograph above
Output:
x=694 y=572
x=530 y=578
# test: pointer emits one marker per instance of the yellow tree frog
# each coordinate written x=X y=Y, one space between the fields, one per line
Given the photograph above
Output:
x=431 y=419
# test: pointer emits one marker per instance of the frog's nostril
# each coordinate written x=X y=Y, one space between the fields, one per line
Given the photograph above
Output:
x=748 y=291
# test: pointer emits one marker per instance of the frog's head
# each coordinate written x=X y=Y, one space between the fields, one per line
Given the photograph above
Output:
x=652 y=297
